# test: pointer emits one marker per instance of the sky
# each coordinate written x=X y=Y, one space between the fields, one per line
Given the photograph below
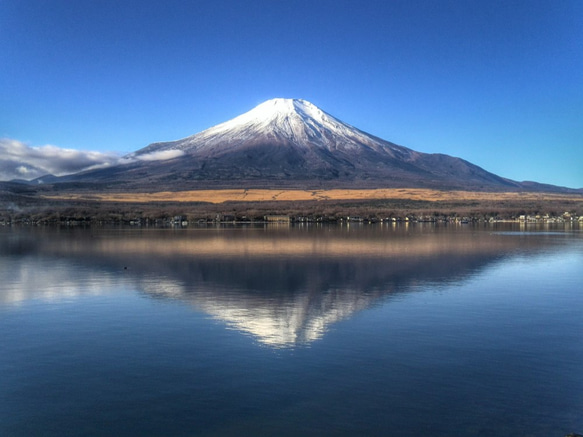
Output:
x=498 y=83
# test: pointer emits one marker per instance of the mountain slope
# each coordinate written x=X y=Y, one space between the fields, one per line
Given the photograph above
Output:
x=284 y=143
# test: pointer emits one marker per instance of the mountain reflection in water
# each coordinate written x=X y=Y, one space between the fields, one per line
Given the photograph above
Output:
x=284 y=286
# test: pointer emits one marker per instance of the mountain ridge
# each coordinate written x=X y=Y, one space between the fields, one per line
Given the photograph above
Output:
x=290 y=143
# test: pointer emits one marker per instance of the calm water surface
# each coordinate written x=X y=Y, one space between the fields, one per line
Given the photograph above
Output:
x=316 y=331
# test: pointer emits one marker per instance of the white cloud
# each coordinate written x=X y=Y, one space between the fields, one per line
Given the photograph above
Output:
x=162 y=155
x=21 y=161
x=23 y=170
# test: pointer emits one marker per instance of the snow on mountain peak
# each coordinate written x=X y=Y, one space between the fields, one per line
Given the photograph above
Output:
x=280 y=121
x=276 y=109
x=281 y=106
x=294 y=119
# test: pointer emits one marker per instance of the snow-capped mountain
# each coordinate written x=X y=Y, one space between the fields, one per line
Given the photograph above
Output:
x=280 y=120
x=285 y=143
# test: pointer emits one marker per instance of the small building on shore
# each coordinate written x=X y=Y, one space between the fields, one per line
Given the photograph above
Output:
x=277 y=218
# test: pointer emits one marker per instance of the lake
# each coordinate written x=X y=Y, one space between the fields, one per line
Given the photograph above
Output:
x=277 y=330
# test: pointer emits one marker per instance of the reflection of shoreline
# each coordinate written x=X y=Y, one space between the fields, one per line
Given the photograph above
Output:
x=261 y=243
x=283 y=288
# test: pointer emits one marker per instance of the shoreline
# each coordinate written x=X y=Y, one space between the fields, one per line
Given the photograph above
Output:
x=293 y=205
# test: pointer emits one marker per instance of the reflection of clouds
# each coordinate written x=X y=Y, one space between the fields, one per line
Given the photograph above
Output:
x=47 y=281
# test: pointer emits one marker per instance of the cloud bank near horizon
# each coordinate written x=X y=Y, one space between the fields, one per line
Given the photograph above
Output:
x=24 y=162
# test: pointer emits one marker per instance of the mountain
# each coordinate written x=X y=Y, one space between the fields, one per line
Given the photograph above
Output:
x=289 y=143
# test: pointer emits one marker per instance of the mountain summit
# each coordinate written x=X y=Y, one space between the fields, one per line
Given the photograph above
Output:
x=290 y=143
x=298 y=122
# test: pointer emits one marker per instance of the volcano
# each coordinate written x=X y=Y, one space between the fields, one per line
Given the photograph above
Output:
x=289 y=143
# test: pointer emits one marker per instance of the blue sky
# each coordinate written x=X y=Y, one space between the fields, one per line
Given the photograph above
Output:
x=499 y=83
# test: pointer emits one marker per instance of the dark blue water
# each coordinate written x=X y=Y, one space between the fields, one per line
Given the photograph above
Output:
x=366 y=330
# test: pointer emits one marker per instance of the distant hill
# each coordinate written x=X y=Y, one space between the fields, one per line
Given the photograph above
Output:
x=288 y=143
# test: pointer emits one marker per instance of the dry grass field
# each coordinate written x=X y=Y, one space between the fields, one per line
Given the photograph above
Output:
x=34 y=205
x=265 y=195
